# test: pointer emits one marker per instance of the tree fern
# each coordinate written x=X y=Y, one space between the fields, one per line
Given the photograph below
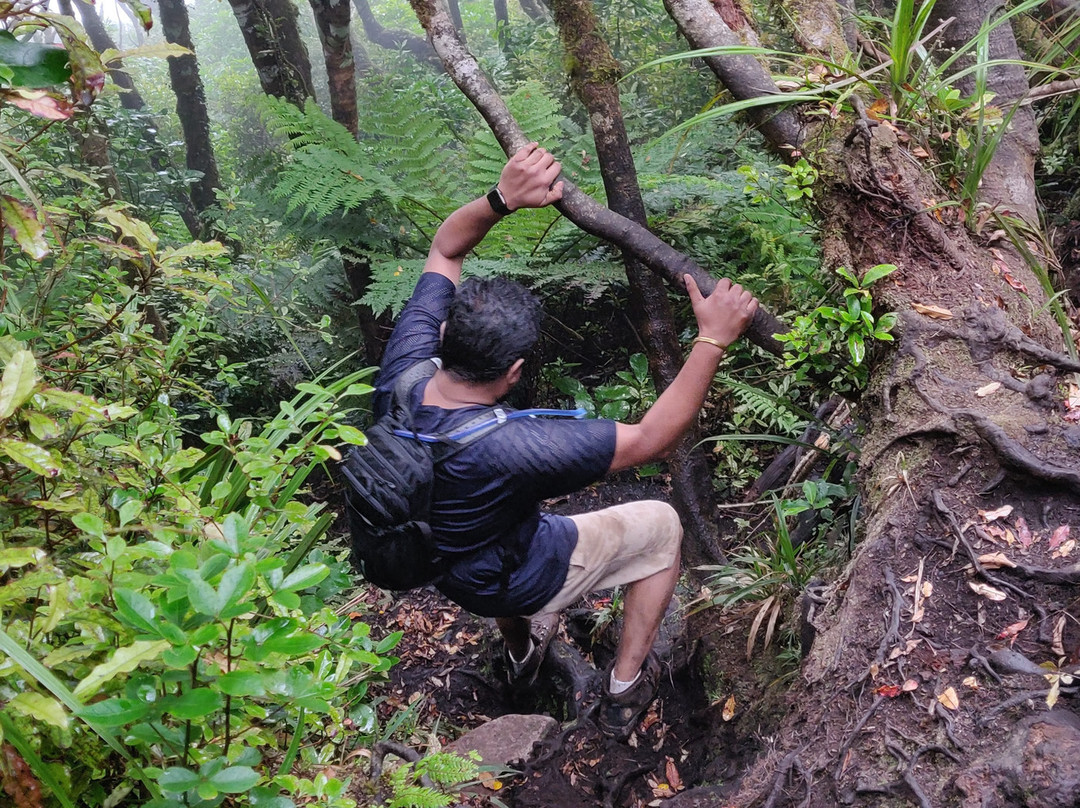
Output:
x=393 y=279
x=327 y=170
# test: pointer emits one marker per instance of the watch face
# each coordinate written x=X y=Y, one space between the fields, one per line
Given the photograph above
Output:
x=498 y=204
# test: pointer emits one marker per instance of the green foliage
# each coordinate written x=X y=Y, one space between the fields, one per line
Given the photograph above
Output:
x=327 y=171
x=442 y=769
x=853 y=325
x=627 y=398
x=772 y=573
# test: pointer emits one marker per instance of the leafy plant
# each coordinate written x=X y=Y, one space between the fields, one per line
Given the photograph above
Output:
x=625 y=400
x=852 y=325
x=771 y=575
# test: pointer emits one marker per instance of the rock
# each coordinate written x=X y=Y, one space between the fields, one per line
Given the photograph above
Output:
x=505 y=739
x=1038 y=766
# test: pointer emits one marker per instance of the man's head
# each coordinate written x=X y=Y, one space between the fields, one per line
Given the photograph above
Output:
x=492 y=323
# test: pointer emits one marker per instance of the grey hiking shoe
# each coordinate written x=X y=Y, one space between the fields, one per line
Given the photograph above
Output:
x=620 y=714
x=524 y=673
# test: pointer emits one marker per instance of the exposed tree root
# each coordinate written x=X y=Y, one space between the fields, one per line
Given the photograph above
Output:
x=790 y=761
x=612 y=792
x=1015 y=456
x=846 y=745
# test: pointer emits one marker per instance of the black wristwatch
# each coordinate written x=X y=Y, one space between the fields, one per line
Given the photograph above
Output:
x=498 y=202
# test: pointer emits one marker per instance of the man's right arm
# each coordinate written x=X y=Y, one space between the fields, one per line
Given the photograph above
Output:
x=721 y=317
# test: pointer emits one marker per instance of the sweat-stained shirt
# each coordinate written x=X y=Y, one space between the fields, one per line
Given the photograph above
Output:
x=503 y=556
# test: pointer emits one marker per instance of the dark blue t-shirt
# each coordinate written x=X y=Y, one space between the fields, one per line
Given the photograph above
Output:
x=504 y=557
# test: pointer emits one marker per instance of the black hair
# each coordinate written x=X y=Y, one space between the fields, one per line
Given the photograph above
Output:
x=492 y=323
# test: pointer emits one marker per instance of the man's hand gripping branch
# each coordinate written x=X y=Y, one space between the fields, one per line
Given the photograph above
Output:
x=528 y=180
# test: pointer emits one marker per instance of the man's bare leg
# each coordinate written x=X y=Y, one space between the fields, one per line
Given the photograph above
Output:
x=646 y=602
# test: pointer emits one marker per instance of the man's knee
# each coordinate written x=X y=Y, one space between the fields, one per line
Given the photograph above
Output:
x=664 y=520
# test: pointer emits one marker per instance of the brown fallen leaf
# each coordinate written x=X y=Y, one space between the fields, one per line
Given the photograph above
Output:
x=986 y=590
x=909 y=685
x=1058 y=644
x=1011 y=631
x=1060 y=534
x=993 y=561
x=1023 y=533
x=936 y=312
x=1013 y=282
x=672 y=774
x=729 y=708
x=1065 y=549
x=987 y=389
x=950 y=699
x=997 y=513
x=971 y=682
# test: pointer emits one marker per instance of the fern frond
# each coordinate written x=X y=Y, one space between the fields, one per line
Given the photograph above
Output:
x=769 y=410
x=393 y=279
x=327 y=171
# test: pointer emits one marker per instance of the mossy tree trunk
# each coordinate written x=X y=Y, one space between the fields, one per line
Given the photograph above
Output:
x=594 y=78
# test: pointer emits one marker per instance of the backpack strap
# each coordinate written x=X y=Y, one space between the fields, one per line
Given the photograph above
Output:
x=409 y=378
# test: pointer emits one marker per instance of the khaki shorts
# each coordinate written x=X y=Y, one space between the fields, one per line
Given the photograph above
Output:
x=619 y=545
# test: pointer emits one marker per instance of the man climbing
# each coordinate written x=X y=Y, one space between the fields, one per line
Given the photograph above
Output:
x=503 y=557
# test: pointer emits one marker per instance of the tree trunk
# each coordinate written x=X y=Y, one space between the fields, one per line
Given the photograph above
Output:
x=455 y=15
x=502 y=22
x=100 y=39
x=743 y=76
x=272 y=35
x=191 y=105
x=130 y=99
x=332 y=20
x=593 y=77
x=1009 y=180
x=395 y=40
x=534 y=9
x=905 y=696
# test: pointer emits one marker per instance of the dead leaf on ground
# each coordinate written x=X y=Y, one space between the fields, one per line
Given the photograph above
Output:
x=993 y=561
x=1060 y=534
x=971 y=682
x=987 y=591
x=1065 y=549
x=997 y=513
x=729 y=708
x=1058 y=643
x=910 y=685
x=949 y=699
x=672 y=774
x=987 y=389
x=888 y=691
x=1011 y=631
x=1013 y=282
x=919 y=151
x=936 y=312
x=1023 y=532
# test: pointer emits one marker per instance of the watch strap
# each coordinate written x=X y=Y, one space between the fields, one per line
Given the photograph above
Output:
x=498 y=202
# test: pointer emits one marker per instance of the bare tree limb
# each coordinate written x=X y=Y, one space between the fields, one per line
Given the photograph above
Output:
x=576 y=205
x=393 y=39
x=743 y=76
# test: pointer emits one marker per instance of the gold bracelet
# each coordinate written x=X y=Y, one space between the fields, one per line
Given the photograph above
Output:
x=709 y=341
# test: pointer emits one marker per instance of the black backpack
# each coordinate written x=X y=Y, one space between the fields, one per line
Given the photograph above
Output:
x=390 y=484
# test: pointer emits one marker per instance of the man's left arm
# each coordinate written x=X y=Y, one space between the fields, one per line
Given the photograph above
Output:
x=528 y=180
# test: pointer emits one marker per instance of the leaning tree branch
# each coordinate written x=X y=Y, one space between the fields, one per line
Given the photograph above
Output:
x=393 y=39
x=743 y=75
x=576 y=205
